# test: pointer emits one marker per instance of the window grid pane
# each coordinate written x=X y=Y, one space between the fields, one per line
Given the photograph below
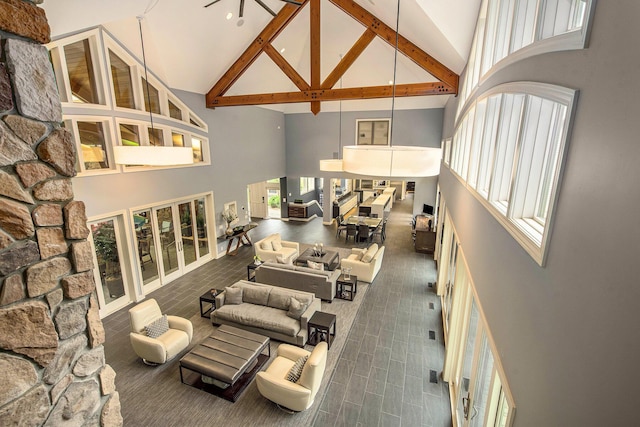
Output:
x=151 y=97
x=122 y=82
x=177 y=139
x=174 y=111
x=92 y=144
x=129 y=134
x=156 y=137
x=489 y=145
x=196 y=146
x=81 y=74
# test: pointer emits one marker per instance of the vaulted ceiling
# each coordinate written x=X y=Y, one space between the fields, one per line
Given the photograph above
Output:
x=191 y=47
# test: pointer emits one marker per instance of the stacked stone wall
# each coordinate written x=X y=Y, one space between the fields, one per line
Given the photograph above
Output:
x=52 y=363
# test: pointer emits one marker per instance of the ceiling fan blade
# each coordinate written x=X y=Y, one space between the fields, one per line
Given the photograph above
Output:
x=213 y=2
x=297 y=3
x=265 y=7
x=241 y=8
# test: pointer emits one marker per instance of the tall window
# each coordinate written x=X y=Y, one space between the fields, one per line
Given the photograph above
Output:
x=307 y=185
x=122 y=82
x=508 y=148
x=528 y=27
x=82 y=78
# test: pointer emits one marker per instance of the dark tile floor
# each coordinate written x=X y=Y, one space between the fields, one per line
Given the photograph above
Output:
x=382 y=378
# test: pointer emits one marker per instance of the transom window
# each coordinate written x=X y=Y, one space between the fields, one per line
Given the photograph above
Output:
x=373 y=132
x=122 y=81
x=82 y=79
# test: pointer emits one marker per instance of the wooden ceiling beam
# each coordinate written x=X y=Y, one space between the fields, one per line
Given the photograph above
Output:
x=388 y=34
x=286 y=68
x=314 y=25
x=349 y=58
x=371 y=92
x=268 y=34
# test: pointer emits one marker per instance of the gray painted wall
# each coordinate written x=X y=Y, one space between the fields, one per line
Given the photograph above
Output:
x=311 y=138
x=247 y=146
x=567 y=334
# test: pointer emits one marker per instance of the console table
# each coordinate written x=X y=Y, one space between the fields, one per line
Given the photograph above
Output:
x=241 y=237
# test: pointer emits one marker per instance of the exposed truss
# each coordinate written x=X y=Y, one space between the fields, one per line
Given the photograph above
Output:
x=316 y=91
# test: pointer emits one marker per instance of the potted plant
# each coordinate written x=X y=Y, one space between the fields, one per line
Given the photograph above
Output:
x=257 y=260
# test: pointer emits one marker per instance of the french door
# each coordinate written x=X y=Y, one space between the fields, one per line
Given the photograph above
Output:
x=172 y=239
x=109 y=245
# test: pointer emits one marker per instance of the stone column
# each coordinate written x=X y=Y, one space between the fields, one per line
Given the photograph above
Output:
x=52 y=365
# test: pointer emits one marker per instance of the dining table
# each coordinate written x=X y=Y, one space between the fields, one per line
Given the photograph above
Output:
x=373 y=223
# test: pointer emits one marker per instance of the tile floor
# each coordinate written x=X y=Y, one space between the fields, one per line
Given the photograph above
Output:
x=382 y=378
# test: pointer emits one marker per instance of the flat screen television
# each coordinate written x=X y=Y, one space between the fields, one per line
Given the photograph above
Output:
x=427 y=209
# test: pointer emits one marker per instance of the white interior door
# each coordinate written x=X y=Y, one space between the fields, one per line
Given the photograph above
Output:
x=258 y=200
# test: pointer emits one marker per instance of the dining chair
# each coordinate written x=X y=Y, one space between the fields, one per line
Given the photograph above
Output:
x=352 y=230
x=379 y=232
x=364 y=232
x=340 y=227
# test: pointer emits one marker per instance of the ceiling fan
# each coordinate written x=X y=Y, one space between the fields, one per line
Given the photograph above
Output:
x=261 y=3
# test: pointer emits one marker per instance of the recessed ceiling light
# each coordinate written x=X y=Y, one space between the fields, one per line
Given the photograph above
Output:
x=229 y=15
x=390 y=82
x=282 y=50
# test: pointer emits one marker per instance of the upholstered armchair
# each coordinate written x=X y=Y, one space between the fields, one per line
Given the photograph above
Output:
x=296 y=396
x=155 y=337
x=273 y=248
x=364 y=263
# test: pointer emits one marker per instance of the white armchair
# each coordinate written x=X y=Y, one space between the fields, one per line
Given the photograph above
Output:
x=364 y=263
x=296 y=396
x=273 y=247
x=167 y=345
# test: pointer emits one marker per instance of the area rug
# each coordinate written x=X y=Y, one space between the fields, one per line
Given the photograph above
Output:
x=161 y=385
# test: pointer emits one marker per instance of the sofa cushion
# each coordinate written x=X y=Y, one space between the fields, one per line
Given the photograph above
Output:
x=157 y=327
x=259 y=316
x=233 y=295
x=296 y=308
x=279 y=299
x=254 y=294
x=277 y=245
x=296 y=370
x=368 y=256
x=280 y=266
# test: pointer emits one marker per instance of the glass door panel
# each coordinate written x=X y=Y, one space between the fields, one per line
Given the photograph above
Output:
x=463 y=380
x=201 y=223
x=187 y=233
x=167 y=234
x=145 y=242
x=112 y=291
x=481 y=389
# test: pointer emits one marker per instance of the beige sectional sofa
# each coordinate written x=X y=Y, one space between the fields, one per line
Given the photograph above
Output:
x=264 y=309
x=273 y=248
x=364 y=263
x=321 y=283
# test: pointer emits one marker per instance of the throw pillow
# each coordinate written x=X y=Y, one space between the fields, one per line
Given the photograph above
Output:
x=233 y=295
x=157 y=327
x=316 y=265
x=368 y=256
x=277 y=246
x=296 y=370
x=296 y=308
x=266 y=246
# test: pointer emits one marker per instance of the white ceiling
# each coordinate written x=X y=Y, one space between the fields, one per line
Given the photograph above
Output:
x=190 y=47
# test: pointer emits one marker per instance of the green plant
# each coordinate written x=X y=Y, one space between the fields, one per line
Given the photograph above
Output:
x=274 y=201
